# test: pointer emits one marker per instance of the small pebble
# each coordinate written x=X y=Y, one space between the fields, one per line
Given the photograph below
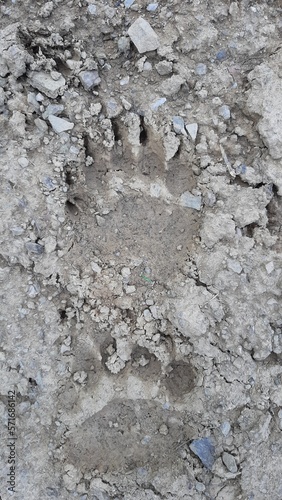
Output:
x=147 y=66
x=89 y=79
x=224 y=111
x=156 y=104
x=201 y=69
x=128 y=3
x=49 y=184
x=269 y=267
x=59 y=124
x=225 y=428
x=229 y=462
x=96 y=268
x=200 y=487
x=164 y=67
x=123 y=44
x=34 y=248
x=178 y=125
x=204 y=449
x=192 y=129
x=92 y=9
x=221 y=55
x=189 y=200
x=163 y=430
x=23 y=162
x=152 y=7
x=124 y=81
x=53 y=109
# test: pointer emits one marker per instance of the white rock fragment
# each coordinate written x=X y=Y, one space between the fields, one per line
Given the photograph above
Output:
x=31 y=99
x=45 y=83
x=224 y=112
x=189 y=200
x=201 y=69
x=96 y=268
x=147 y=315
x=234 y=265
x=60 y=124
x=23 y=162
x=128 y=3
x=53 y=109
x=152 y=7
x=125 y=272
x=178 y=125
x=113 y=108
x=92 y=9
x=225 y=428
x=130 y=289
x=229 y=462
x=147 y=66
x=192 y=129
x=143 y=36
x=156 y=104
x=269 y=267
x=124 y=81
x=163 y=430
x=80 y=377
x=95 y=108
x=89 y=79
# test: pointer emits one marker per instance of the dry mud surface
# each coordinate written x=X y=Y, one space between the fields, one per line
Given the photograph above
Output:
x=141 y=184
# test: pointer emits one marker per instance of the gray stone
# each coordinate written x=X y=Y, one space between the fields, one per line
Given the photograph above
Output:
x=204 y=449
x=53 y=109
x=41 y=125
x=189 y=200
x=192 y=129
x=34 y=248
x=201 y=69
x=113 y=109
x=128 y=3
x=143 y=36
x=234 y=265
x=60 y=124
x=224 y=112
x=44 y=83
x=164 y=67
x=178 y=125
x=49 y=184
x=152 y=7
x=92 y=9
x=156 y=104
x=229 y=462
x=172 y=85
x=31 y=99
x=225 y=428
x=123 y=44
x=89 y=79
x=23 y=162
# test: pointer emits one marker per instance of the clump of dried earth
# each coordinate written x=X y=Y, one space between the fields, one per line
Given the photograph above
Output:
x=141 y=183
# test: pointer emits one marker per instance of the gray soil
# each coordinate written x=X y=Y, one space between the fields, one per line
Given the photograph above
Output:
x=140 y=254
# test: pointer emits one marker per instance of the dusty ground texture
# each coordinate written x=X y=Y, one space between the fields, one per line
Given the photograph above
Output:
x=141 y=185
